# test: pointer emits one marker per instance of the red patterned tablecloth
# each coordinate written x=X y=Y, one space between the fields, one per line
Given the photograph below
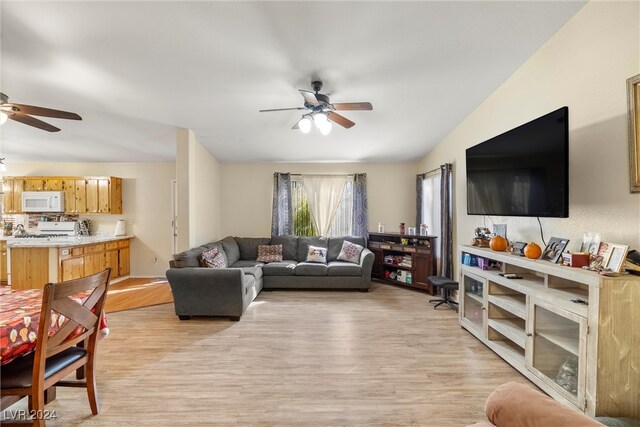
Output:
x=19 y=320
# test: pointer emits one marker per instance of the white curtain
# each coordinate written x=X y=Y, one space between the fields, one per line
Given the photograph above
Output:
x=431 y=207
x=324 y=193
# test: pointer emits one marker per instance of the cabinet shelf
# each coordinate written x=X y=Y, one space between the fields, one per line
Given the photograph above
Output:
x=514 y=304
x=475 y=297
x=509 y=351
x=401 y=267
x=510 y=328
x=567 y=340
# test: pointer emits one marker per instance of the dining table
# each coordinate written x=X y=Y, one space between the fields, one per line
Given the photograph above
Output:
x=19 y=322
x=20 y=319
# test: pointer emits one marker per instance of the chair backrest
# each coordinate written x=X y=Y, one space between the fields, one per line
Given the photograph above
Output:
x=67 y=318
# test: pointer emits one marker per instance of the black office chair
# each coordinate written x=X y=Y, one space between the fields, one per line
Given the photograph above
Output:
x=446 y=285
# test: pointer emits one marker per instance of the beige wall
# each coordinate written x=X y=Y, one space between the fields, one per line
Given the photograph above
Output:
x=584 y=66
x=248 y=187
x=146 y=201
x=198 y=184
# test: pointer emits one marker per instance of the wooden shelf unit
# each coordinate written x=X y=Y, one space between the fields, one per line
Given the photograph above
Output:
x=420 y=249
x=539 y=326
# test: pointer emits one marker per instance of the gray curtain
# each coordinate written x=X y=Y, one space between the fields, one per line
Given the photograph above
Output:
x=282 y=214
x=419 y=213
x=360 y=221
x=446 y=243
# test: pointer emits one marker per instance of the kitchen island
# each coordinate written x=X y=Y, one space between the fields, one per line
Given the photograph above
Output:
x=35 y=262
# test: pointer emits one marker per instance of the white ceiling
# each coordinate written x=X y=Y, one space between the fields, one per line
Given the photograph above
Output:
x=136 y=70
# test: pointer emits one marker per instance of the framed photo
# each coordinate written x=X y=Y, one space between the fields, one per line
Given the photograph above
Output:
x=554 y=249
x=614 y=257
x=633 y=117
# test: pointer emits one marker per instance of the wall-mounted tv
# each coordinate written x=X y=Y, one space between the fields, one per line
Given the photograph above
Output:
x=522 y=172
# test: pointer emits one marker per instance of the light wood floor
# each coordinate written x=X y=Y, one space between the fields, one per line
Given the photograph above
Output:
x=137 y=292
x=296 y=358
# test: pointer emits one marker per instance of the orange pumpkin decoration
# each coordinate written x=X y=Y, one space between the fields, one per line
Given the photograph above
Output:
x=533 y=251
x=498 y=243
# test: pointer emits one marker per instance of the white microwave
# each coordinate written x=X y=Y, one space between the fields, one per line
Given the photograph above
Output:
x=43 y=201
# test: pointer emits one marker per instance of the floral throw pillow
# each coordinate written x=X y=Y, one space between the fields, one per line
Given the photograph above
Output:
x=269 y=253
x=212 y=259
x=350 y=252
x=317 y=254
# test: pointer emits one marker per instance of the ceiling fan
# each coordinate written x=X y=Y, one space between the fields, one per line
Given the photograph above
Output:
x=22 y=113
x=322 y=111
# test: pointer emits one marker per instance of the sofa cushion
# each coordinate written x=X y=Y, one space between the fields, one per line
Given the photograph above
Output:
x=335 y=245
x=212 y=258
x=342 y=268
x=305 y=241
x=188 y=258
x=284 y=268
x=289 y=245
x=220 y=249
x=249 y=246
x=310 y=269
x=246 y=263
x=269 y=253
x=350 y=252
x=231 y=249
x=253 y=271
x=317 y=254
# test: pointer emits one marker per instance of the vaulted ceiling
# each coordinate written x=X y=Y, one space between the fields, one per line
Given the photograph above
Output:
x=137 y=70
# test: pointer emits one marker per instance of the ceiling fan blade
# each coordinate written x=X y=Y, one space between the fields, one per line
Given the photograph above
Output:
x=341 y=120
x=309 y=97
x=353 y=106
x=294 y=127
x=32 y=121
x=46 y=112
x=281 y=109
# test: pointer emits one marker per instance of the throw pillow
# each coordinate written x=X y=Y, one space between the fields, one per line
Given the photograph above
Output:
x=350 y=252
x=212 y=259
x=317 y=254
x=269 y=253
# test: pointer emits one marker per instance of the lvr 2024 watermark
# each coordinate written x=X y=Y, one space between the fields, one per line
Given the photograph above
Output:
x=25 y=414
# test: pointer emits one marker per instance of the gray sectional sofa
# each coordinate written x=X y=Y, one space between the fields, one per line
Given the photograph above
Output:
x=199 y=291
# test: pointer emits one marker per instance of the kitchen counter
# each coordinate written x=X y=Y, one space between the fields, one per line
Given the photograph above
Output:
x=61 y=242
x=36 y=261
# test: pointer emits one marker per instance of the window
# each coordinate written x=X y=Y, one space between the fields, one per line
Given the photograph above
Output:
x=302 y=221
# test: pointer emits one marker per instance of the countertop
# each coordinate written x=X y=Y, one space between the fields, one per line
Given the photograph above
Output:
x=61 y=242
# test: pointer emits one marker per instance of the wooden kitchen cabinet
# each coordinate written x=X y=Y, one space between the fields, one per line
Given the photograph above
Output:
x=33 y=184
x=12 y=195
x=89 y=259
x=3 y=263
x=72 y=269
x=54 y=184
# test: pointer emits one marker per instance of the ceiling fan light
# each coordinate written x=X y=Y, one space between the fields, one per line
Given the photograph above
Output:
x=3 y=167
x=3 y=117
x=320 y=120
x=325 y=129
x=304 y=125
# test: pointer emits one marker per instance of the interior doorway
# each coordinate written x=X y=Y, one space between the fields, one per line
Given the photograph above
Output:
x=174 y=216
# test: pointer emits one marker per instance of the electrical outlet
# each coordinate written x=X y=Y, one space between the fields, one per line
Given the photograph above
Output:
x=155 y=260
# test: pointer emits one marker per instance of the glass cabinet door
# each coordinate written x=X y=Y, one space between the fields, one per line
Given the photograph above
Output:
x=557 y=341
x=473 y=289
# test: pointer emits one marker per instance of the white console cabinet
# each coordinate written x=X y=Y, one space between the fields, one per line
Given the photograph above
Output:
x=572 y=332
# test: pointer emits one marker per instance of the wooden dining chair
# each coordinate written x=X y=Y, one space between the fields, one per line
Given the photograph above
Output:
x=60 y=353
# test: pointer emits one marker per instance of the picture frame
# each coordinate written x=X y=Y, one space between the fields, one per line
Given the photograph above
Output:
x=553 y=251
x=633 y=118
x=614 y=257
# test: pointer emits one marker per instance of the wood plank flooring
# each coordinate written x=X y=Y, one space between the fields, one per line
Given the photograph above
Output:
x=296 y=358
x=136 y=293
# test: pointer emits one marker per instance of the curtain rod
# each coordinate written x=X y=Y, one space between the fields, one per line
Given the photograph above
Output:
x=322 y=174
x=432 y=171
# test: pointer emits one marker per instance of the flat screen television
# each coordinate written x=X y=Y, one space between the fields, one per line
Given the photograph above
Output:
x=522 y=172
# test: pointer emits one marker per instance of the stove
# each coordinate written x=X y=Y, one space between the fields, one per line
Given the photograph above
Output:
x=40 y=236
